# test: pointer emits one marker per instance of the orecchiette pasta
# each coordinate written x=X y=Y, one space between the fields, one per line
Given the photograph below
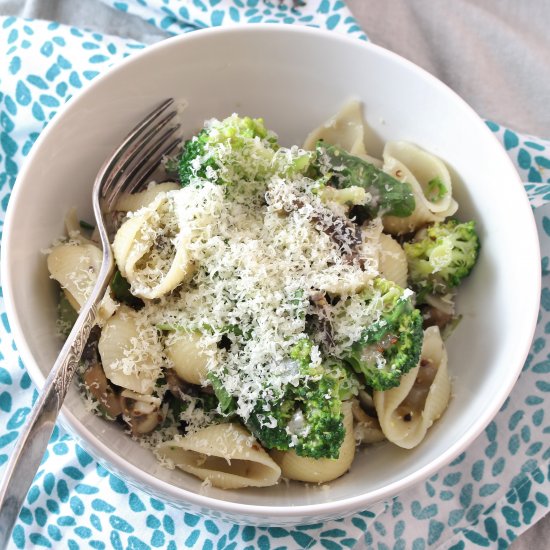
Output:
x=407 y=412
x=323 y=469
x=225 y=455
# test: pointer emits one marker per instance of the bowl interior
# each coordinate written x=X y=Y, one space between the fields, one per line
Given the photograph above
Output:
x=295 y=79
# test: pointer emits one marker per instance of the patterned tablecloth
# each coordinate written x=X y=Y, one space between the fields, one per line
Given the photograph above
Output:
x=487 y=496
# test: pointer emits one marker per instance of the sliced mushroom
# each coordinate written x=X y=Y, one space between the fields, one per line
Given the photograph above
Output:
x=367 y=403
x=345 y=233
x=97 y=384
x=366 y=428
x=141 y=412
x=178 y=388
x=416 y=399
x=342 y=231
x=319 y=317
x=433 y=316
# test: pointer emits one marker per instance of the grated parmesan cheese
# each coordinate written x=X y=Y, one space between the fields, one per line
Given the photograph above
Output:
x=262 y=243
x=260 y=252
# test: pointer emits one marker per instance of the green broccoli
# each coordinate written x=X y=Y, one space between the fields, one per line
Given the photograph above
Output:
x=388 y=195
x=122 y=293
x=301 y=352
x=321 y=407
x=441 y=256
x=227 y=404
x=66 y=315
x=315 y=410
x=436 y=189
x=193 y=149
x=391 y=346
x=307 y=417
x=234 y=148
x=269 y=422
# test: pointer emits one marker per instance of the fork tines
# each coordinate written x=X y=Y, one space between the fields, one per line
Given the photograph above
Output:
x=140 y=153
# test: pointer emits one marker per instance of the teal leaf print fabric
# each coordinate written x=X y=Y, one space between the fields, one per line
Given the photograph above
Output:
x=530 y=156
x=175 y=16
x=485 y=498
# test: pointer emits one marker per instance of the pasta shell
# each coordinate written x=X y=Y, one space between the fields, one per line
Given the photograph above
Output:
x=130 y=352
x=323 y=469
x=225 y=455
x=392 y=261
x=71 y=222
x=444 y=303
x=189 y=358
x=409 y=410
x=75 y=266
x=345 y=129
x=407 y=162
x=149 y=252
x=366 y=428
x=425 y=168
x=370 y=245
x=73 y=229
x=130 y=202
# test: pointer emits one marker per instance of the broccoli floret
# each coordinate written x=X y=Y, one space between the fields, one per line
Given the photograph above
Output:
x=301 y=352
x=347 y=382
x=436 y=189
x=441 y=256
x=194 y=148
x=307 y=418
x=323 y=418
x=235 y=148
x=387 y=196
x=391 y=346
x=269 y=422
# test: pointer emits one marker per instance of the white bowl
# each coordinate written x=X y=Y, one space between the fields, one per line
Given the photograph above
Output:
x=294 y=78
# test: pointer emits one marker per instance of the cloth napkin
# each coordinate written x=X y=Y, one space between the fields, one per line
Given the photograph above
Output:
x=486 y=497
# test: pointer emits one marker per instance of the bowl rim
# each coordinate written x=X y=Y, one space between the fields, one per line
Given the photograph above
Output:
x=139 y=477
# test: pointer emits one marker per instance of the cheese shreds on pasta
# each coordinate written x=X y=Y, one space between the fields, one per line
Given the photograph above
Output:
x=261 y=244
x=259 y=252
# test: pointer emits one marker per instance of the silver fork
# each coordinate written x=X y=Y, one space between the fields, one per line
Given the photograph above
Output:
x=125 y=171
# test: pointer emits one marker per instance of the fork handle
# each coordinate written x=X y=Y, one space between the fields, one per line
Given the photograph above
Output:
x=34 y=438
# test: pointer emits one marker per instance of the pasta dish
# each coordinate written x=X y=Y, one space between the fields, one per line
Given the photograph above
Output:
x=274 y=307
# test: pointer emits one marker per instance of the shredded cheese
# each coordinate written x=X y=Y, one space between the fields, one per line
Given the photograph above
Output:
x=260 y=252
x=262 y=243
